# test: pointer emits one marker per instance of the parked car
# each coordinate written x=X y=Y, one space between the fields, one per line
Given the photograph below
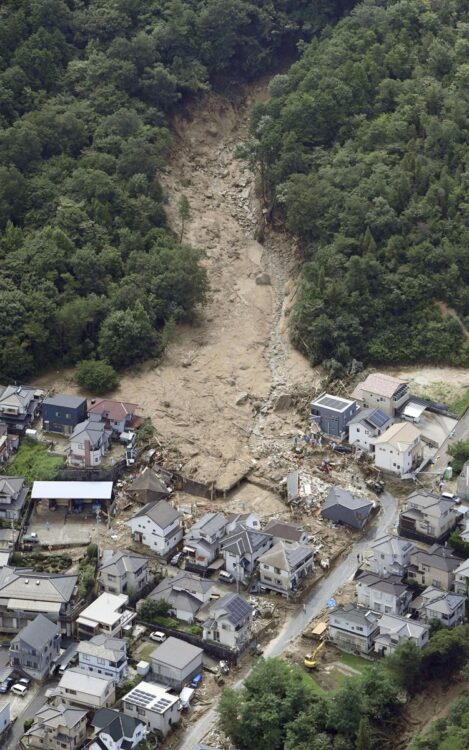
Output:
x=158 y=636
x=18 y=689
x=196 y=680
x=225 y=577
x=176 y=558
x=24 y=681
x=339 y=448
x=6 y=685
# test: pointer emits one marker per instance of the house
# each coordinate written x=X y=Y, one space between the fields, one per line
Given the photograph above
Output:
x=383 y=594
x=123 y=572
x=107 y=615
x=186 y=593
x=63 y=413
x=463 y=482
x=241 y=550
x=89 y=443
x=435 y=604
x=154 y=705
x=366 y=425
x=353 y=628
x=399 y=449
x=428 y=516
x=341 y=506
x=383 y=392
x=332 y=414
x=158 y=526
x=461 y=579
x=393 y=630
x=244 y=519
x=116 y=731
x=56 y=727
x=27 y=593
x=13 y=494
x=9 y=443
x=36 y=647
x=148 y=487
x=289 y=533
x=284 y=566
x=5 y=720
x=118 y=416
x=8 y=539
x=390 y=555
x=81 y=688
x=74 y=496
x=202 y=541
x=103 y=655
x=174 y=663
x=434 y=567
x=19 y=406
x=229 y=622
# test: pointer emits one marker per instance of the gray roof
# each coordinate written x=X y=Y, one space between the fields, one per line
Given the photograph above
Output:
x=286 y=556
x=121 y=562
x=292 y=532
x=425 y=500
x=176 y=653
x=67 y=402
x=58 y=716
x=103 y=646
x=388 y=584
x=148 y=481
x=210 y=523
x=20 y=393
x=159 y=511
x=342 y=506
x=402 y=626
x=38 y=633
x=235 y=607
x=374 y=418
x=395 y=545
x=244 y=540
x=438 y=557
x=118 y=725
x=10 y=485
x=27 y=585
x=440 y=601
x=90 y=429
x=354 y=613
x=185 y=591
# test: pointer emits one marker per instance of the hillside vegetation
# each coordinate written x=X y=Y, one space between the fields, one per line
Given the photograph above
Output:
x=363 y=150
x=87 y=89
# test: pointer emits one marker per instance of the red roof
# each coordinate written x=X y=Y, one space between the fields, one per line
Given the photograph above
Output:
x=114 y=410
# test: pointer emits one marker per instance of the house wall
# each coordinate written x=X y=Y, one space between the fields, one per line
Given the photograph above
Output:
x=116 y=584
x=174 y=677
x=98 y=666
x=388 y=458
x=350 y=636
x=333 y=422
x=280 y=580
x=429 y=576
x=4 y=717
x=224 y=632
x=35 y=663
x=161 y=541
x=155 y=721
x=11 y=621
x=239 y=572
x=379 y=601
x=388 y=405
x=449 y=621
x=461 y=584
x=362 y=436
x=62 y=419
x=79 y=698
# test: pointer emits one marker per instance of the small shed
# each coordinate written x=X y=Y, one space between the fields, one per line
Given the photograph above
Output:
x=148 y=487
x=343 y=507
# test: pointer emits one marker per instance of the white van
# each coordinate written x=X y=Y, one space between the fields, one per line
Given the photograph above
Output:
x=18 y=689
x=451 y=496
x=225 y=577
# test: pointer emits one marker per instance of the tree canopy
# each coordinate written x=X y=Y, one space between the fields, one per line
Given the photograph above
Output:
x=87 y=90
x=363 y=150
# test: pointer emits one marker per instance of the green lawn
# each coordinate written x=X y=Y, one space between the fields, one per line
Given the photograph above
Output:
x=144 y=653
x=33 y=463
x=459 y=405
x=311 y=682
x=356 y=662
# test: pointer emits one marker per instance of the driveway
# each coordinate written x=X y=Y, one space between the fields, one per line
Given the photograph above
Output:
x=29 y=711
x=316 y=602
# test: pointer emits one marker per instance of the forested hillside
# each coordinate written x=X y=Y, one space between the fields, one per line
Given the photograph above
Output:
x=363 y=149
x=87 y=90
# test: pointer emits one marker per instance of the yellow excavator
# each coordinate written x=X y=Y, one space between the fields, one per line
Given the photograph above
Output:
x=310 y=659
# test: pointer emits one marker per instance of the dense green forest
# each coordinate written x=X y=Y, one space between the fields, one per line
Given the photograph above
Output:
x=279 y=707
x=363 y=151
x=87 y=90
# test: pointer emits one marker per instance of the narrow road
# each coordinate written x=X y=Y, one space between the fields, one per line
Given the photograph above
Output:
x=29 y=712
x=297 y=623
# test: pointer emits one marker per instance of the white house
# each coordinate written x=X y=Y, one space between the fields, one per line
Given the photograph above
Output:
x=158 y=526
x=393 y=630
x=284 y=566
x=241 y=550
x=383 y=392
x=202 y=541
x=366 y=426
x=113 y=730
x=154 y=705
x=388 y=595
x=399 y=449
x=103 y=655
x=287 y=532
x=353 y=628
x=244 y=519
x=428 y=516
x=186 y=593
x=79 y=688
x=108 y=615
x=229 y=622
x=123 y=571
x=89 y=442
x=461 y=579
x=390 y=555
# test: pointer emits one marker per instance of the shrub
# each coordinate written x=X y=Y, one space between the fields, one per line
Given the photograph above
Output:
x=96 y=376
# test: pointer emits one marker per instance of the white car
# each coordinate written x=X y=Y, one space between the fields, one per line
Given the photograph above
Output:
x=158 y=636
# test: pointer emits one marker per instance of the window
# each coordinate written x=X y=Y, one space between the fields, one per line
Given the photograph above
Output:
x=141 y=711
x=69 y=690
x=101 y=661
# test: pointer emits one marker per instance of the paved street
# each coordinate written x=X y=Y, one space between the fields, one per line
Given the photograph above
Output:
x=29 y=711
x=295 y=625
x=460 y=432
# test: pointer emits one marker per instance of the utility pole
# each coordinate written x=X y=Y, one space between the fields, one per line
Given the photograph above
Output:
x=97 y=532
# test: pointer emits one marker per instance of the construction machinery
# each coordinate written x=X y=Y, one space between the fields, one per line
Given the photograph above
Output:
x=310 y=659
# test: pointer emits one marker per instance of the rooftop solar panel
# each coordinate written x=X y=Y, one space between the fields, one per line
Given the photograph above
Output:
x=378 y=418
x=332 y=403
